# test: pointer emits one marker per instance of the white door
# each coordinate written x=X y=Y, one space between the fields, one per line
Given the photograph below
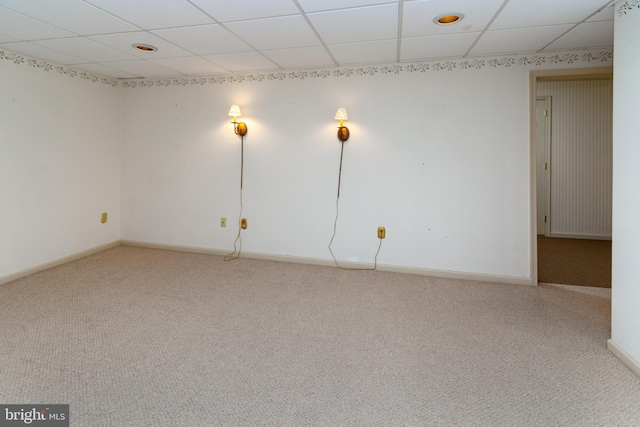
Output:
x=543 y=146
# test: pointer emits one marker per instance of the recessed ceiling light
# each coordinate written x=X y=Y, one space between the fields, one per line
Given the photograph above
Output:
x=145 y=47
x=448 y=18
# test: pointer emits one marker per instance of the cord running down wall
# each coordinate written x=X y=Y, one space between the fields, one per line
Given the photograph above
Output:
x=240 y=129
x=343 y=136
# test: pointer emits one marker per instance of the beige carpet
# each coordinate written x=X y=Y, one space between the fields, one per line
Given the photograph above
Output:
x=574 y=261
x=141 y=337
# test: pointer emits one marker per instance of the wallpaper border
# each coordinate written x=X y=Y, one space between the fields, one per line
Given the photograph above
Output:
x=628 y=6
x=60 y=69
x=583 y=56
x=602 y=56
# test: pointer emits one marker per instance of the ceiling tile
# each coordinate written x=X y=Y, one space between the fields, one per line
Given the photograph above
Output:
x=606 y=14
x=517 y=40
x=44 y=53
x=7 y=39
x=124 y=42
x=204 y=39
x=190 y=65
x=86 y=49
x=432 y=47
x=238 y=35
x=141 y=68
x=275 y=33
x=75 y=16
x=245 y=61
x=153 y=14
x=365 y=52
x=25 y=28
x=587 y=35
x=418 y=16
x=317 y=6
x=103 y=71
x=241 y=10
x=527 y=13
x=301 y=57
x=357 y=25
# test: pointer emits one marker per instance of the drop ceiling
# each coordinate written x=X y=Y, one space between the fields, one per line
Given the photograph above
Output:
x=204 y=37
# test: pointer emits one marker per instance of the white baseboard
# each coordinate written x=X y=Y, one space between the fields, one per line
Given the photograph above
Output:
x=580 y=236
x=347 y=264
x=57 y=262
x=624 y=357
x=178 y=248
x=279 y=258
x=458 y=275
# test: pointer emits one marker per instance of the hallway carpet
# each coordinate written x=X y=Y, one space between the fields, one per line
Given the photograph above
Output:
x=574 y=261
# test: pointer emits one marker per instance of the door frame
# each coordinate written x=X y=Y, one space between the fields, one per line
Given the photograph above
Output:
x=533 y=79
x=546 y=190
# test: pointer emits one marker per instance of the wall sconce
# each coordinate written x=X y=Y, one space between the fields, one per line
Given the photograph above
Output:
x=343 y=131
x=343 y=135
x=240 y=128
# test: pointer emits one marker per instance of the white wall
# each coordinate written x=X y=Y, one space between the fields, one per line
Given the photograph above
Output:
x=60 y=165
x=439 y=158
x=625 y=319
x=439 y=155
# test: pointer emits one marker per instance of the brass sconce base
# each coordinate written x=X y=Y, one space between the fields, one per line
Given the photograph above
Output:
x=343 y=133
x=240 y=128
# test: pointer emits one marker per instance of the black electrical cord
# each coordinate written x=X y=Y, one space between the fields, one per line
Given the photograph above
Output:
x=335 y=225
x=233 y=256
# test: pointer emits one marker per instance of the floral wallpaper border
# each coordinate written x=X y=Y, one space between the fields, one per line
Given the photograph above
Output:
x=61 y=69
x=603 y=56
x=459 y=64
x=627 y=6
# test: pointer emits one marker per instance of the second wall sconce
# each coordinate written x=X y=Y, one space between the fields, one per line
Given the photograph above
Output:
x=240 y=128
x=343 y=131
x=343 y=136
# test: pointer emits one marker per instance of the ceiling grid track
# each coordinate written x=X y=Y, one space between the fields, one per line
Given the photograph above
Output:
x=572 y=28
x=324 y=45
x=486 y=28
x=400 y=16
x=121 y=39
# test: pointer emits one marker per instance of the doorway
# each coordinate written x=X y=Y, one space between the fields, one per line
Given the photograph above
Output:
x=560 y=210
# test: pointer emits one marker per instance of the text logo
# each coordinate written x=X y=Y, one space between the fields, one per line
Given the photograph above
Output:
x=34 y=415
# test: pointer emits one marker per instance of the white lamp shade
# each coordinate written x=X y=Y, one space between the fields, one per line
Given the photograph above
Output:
x=342 y=114
x=234 y=111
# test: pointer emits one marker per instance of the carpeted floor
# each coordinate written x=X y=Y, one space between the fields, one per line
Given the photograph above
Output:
x=574 y=261
x=143 y=337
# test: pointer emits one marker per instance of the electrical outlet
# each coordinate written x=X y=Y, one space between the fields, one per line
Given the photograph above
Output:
x=223 y=222
x=382 y=233
x=243 y=223
x=104 y=217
